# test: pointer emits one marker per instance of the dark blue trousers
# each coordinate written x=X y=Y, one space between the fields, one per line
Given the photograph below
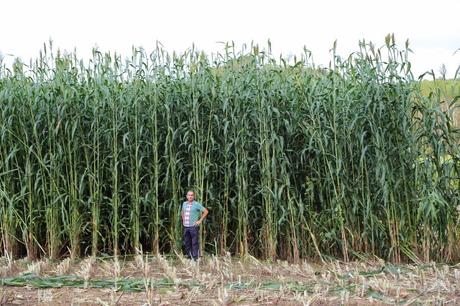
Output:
x=192 y=241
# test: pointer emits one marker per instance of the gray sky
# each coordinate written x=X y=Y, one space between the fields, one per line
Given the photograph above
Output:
x=433 y=27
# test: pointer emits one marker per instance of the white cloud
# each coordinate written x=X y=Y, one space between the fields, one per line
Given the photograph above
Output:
x=431 y=26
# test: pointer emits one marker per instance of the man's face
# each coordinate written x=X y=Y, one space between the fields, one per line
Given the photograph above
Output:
x=190 y=196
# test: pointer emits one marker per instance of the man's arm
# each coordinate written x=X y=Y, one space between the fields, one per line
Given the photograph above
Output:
x=203 y=215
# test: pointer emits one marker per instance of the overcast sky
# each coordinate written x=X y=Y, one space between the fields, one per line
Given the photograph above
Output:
x=433 y=27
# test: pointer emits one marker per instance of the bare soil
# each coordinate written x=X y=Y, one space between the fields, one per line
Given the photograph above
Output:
x=224 y=281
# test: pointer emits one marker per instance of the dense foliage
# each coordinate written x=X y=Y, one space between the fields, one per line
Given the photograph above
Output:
x=292 y=161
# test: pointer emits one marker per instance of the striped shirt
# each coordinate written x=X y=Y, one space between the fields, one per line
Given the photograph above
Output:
x=191 y=213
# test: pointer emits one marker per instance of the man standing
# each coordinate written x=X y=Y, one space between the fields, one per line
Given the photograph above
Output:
x=193 y=214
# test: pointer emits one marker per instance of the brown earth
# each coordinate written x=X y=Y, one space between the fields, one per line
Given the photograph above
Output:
x=230 y=281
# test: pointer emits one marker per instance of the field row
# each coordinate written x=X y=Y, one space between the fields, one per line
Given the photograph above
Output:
x=225 y=281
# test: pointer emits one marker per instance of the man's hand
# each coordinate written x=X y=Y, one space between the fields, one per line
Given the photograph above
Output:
x=205 y=213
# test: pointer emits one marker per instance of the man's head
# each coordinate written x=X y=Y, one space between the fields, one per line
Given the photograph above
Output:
x=190 y=195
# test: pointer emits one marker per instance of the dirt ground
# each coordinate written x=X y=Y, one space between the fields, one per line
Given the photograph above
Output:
x=144 y=280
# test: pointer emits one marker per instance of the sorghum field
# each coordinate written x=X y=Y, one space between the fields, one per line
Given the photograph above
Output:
x=324 y=185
